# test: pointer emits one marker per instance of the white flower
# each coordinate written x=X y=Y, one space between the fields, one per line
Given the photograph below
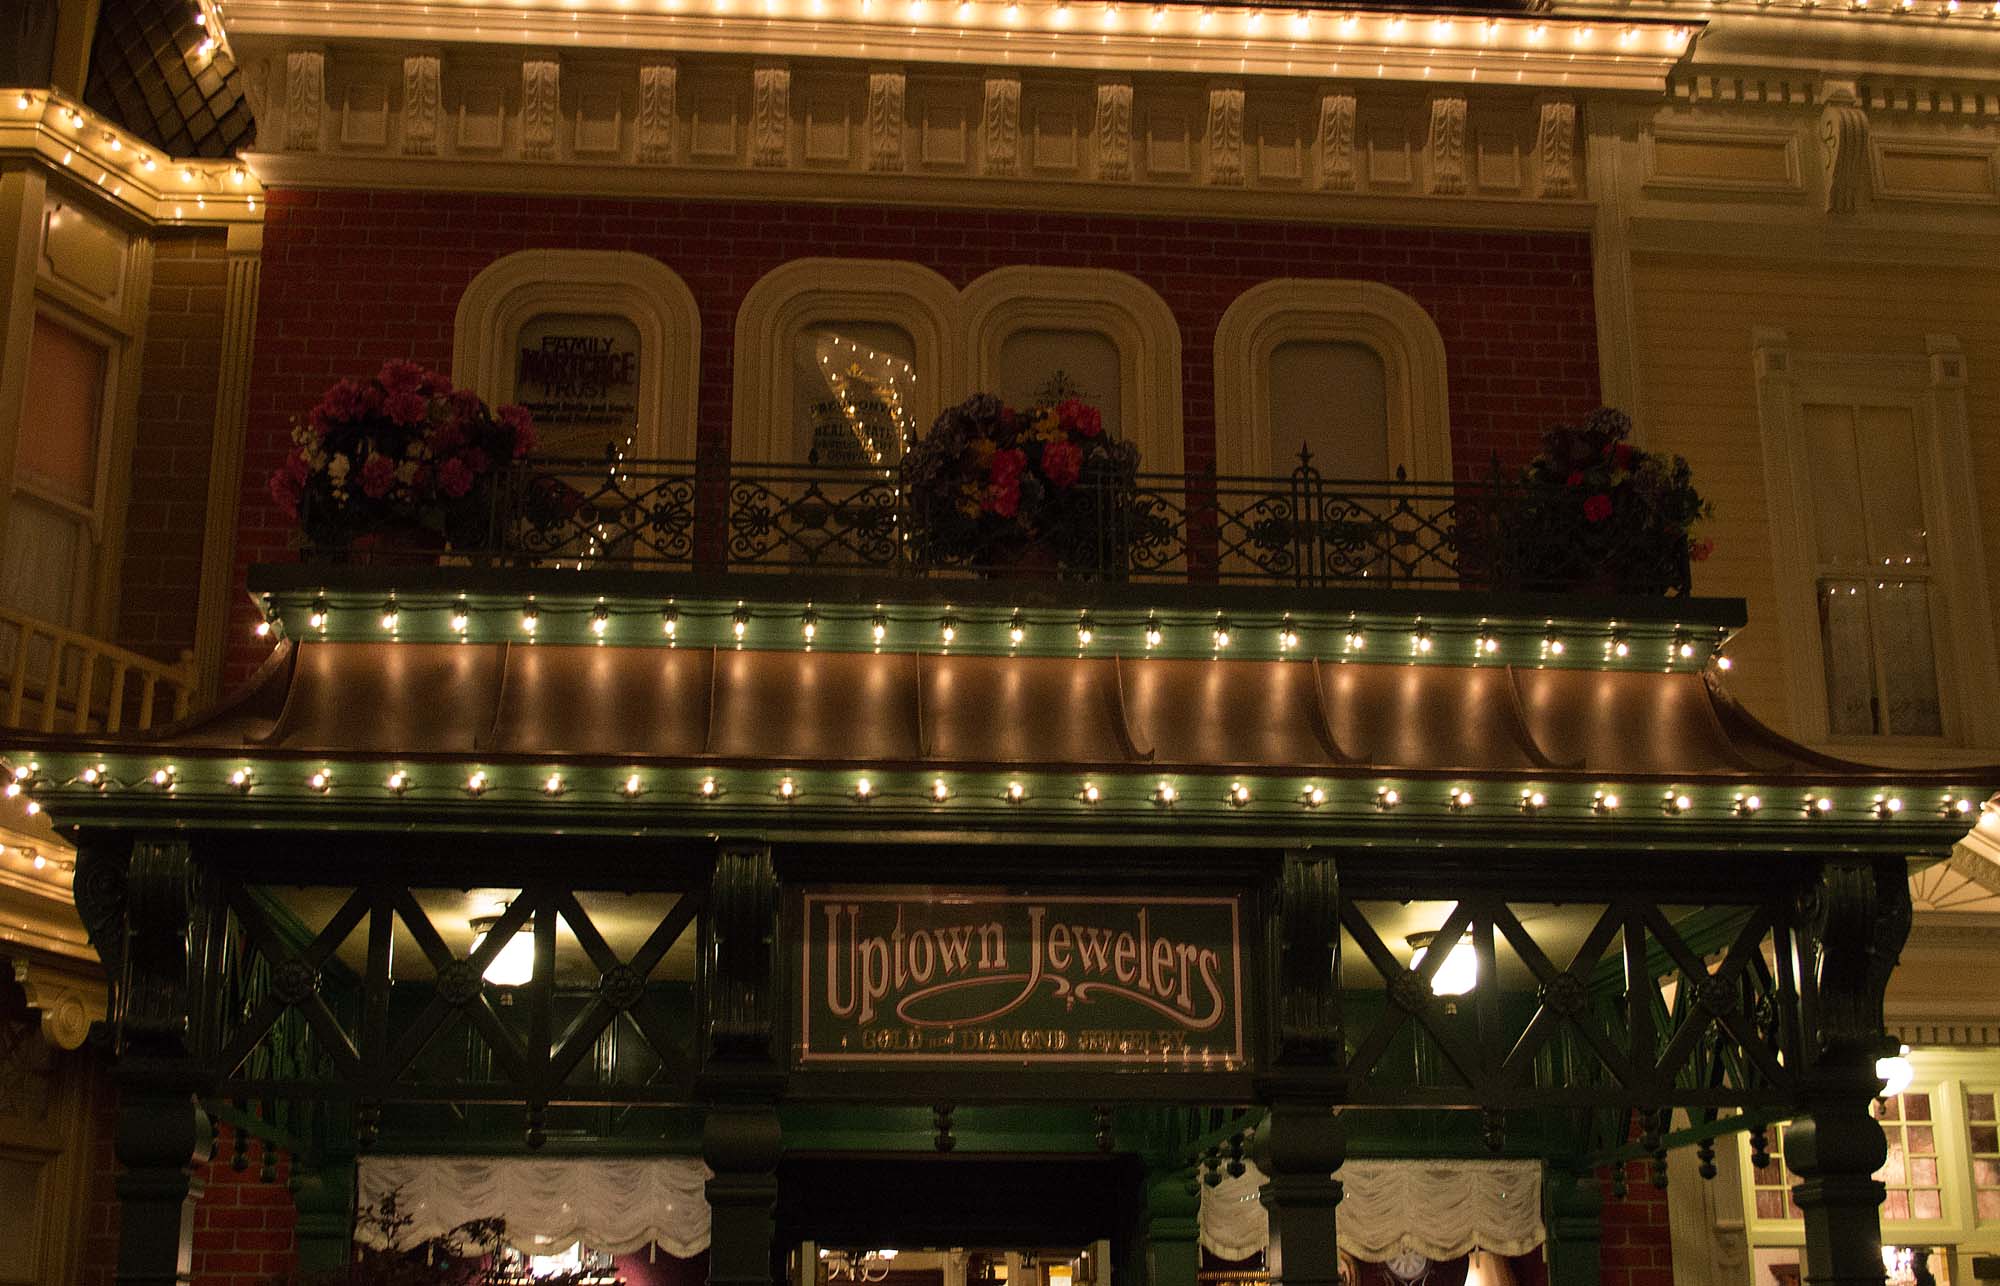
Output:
x=338 y=467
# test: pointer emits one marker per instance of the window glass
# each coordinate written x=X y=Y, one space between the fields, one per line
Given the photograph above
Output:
x=1911 y=1172
x=1877 y=606
x=1330 y=398
x=849 y=381
x=1085 y=360
x=59 y=435
x=1983 y=1133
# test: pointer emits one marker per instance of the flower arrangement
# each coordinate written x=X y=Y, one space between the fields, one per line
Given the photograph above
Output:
x=1596 y=511
x=400 y=453
x=998 y=487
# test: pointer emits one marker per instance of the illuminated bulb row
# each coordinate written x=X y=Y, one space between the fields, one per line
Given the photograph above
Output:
x=1222 y=634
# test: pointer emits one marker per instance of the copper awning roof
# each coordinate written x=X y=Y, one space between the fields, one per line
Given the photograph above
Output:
x=543 y=703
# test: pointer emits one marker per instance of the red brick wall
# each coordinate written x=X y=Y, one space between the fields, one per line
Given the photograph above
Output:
x=161 y=574
x=242 y=1226
x=1638 y=1248
x=352 y=278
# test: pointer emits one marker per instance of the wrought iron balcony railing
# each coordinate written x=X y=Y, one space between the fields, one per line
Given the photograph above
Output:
x=1297 y=530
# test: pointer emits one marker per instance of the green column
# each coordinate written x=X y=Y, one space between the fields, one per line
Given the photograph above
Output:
x=162 y=1141
x=1835 y=1150
x=1299 y=1146
x=1576 y=1233
x=324 y=1198
x=741 y=1144
x=1173 y=1229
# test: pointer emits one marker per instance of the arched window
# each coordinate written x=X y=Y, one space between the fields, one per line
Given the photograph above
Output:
x=1106 y=334
x=1352 y=371
x=838 y=360
x=603 y=346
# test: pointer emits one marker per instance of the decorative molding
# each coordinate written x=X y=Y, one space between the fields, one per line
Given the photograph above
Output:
x=1290 y=310
x=512 y=290
x=69 y=1002
x=1225 y=134
x=1114 y=129
x=1336 y=141
x=541 y=96
x=1122 y=308
x=305 y=99
x=422 y=104
x=770 y=115
x=886 y=116
x=225 y=458
x=657 y=112
x=1001 y=125
x=1843 y=140
x=808 y=292
x=1721 y=159
x=1555 y=147
x=1447 y=145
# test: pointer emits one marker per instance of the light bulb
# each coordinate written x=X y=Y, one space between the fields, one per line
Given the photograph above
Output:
x=787 y=789
x=1084 y=631
x=242 y=779
x=1016 y=792
x=600 y=620
x=1420 y=640
x=1485 y=644
x=1017 y=630
x=1603 y=803
x=514 y=964
x=1459 y=800
x=1887 y=806
x=320 y=782
x=39 y=861
x=476 y=783
x=1553 y=645
x=1288 y=638
x=1895 y=1072
x=1620 y=647
x=670 y=621
x=162 y=777
x=879 y=627
x=1356 y=640
x=948 y=630
x=1239 y=794
x=553 y=784
x=708 y=788
x=633 y=787
x=1387 y=798
x=1164 y=794
x=1222 y=634
x=1533 y=801
x=459 y=620
x=809 y=627
x=1312 y=796
x=863 y=788
x=262 y=629
x=1153 y=632
x=1090 y=792
x=317 y=618
x=939 y=791
x=531 y=617
x=1748 y=804
x=1457 y=974
x=739 y=622
x=399 y=781
x=390 y=614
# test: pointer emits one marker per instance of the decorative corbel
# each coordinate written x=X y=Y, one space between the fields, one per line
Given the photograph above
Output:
x=1000 y=129
x=1225 y=134
x=657 y=83
x=770 y=115
x=1336 y=141
x=541 y=107
x=1856 y=913
x=740 y=927
x=886 y=89
x=1447 y=144
x=69 y=1004
x=1843 y=136
x=1114 y=128
x=1308 y=962
x=423 y=103
x=305 y=99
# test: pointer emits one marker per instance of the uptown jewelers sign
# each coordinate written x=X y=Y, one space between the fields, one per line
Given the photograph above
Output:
x=899 y=978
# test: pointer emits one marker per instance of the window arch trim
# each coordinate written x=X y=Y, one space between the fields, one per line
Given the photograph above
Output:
x=1124 y=309
x=511 y=290
x=1294 y=309
x=805 y=292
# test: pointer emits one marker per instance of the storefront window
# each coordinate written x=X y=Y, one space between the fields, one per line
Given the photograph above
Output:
x=1911 y=1174
x=1983 y=1136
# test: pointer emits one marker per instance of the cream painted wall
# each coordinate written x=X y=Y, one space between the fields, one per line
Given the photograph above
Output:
x=1697 y=396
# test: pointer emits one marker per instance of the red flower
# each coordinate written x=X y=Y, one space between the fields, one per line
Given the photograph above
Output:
x=286 y=492
x=346 y=400
x=523 y=425
x=1002 y=499
x=1062 y=462
x=400 y=376
x=446 y=438
x=1621 y=455
x=1079 y=415
x=408 y=408
x=1006 y=467
x=454 y=479
x=1702 y=549
x=1597 y=508
x=377 y=476
x=477 y=461
x=1576 y=478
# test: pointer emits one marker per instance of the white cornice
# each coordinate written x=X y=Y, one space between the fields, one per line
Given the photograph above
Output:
x=1538 y=51
x=122 y=170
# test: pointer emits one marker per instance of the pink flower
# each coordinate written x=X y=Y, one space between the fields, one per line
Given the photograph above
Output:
x=1702 y=549
x=377 y=476
x=517 y=419
x=1075 y=413
x=1007 y=466
x=454 y=479
x=286 y=492
x=1576 y=478
x=1003 y=499
x=408 y=408
x=446 y=438
x=1062 y=462
x=400 y=376
x=1621 y=455
x=1597 y=508
x=346 y=400
x=465 y=404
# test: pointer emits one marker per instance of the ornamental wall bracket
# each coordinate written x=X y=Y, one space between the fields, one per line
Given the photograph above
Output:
x=69 y=1003
x=1843 y=136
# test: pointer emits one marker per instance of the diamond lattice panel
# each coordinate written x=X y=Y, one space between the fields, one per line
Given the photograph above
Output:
x=148 y=74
